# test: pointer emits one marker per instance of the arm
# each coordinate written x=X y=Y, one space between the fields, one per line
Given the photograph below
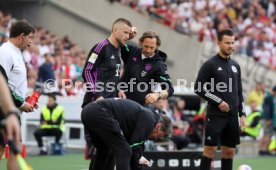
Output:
x=241 y=103
x=93 y=61
x=165 y=81
x=42 y=120
x=5 y=99
x=255 y=121
x=137 y=152
x=204 y=76
x=59 y=119
x=10 y=111
x=126 y=51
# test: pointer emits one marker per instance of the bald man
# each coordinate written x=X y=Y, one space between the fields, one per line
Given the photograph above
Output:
x=102 y=67
x=103 y=63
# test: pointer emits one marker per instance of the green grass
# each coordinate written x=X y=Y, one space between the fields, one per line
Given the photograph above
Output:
x=77 y=162
x=257 y=163
x=66 y=162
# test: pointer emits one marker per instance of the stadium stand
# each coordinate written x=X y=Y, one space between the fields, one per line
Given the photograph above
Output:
x=253 y=22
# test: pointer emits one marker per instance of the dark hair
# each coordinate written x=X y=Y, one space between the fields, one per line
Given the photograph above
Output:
x=150 y=34
x=52 y=96
x=19 y=27
x=166 y=125
x=227 y=31
x=122 y=20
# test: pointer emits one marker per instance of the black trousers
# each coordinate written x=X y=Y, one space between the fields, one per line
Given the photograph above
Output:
x=106 y=135
x=39 y=133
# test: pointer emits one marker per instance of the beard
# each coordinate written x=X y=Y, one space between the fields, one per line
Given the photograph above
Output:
x=227 y=52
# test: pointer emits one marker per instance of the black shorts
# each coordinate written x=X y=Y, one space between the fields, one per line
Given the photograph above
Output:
x=223 y=130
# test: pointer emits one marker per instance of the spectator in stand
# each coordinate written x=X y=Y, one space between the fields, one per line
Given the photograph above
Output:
x=46 y=70
x=178 y=109
x=242 y=16
x=268 y=112
x=257 y=95
x=253 y=122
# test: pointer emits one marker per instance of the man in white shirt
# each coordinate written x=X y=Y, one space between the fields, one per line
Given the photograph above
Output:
x=13 y=68
x=12 y=64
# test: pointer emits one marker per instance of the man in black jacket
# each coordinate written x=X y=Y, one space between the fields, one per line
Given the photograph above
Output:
x=118 y=127
x=219 y=82
x=145 y=69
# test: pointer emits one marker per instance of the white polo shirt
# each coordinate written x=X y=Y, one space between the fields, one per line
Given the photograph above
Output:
x=11 y=59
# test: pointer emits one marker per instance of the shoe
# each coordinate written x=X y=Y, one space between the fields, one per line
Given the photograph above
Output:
x=42 y=153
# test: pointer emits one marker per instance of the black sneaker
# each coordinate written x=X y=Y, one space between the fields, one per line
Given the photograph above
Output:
x=41 y=153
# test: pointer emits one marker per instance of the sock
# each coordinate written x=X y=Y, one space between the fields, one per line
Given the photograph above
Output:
x=226 y=164
x=205 y=163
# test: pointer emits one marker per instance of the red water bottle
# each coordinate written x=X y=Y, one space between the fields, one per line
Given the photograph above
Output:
x=7 y=151
x=34 y=98
x=24 y=151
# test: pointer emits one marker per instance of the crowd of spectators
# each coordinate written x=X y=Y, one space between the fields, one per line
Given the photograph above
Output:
x=49 y=57
x=253 y=22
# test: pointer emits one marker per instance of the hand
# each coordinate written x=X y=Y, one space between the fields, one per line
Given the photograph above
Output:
x=243 y=122
x=224 y=107
x=122 y=94
x=143 y=161
x=100 y=98
x=13 y=128
x=151 y=98
x=133 y=33
x=27 y=107
x=36 y=106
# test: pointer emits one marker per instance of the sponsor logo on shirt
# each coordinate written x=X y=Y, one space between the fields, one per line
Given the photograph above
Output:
x=234 y=69
x=148 y=67
x=93 y=57
x=143 y=73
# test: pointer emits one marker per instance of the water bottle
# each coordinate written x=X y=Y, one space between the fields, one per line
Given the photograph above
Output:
x=34 y=98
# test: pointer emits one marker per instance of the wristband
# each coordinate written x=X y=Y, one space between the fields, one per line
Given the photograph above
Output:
x=12 y=113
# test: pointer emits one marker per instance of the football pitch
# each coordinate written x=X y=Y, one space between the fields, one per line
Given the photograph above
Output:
x=77 y=162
